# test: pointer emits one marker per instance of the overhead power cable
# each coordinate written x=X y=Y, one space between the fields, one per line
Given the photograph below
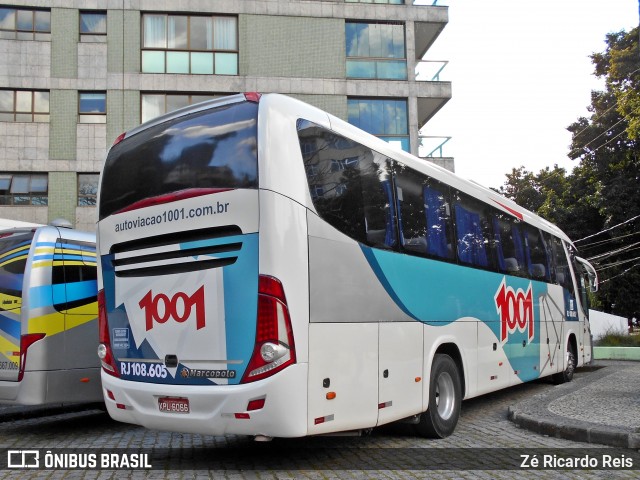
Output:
x=608 y=229
x=616 y=264
x=626 y=248
x=620 y=274
x=609 y=240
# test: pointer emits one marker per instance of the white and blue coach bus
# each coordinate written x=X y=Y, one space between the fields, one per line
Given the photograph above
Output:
x=48 y=316
x=270 y=270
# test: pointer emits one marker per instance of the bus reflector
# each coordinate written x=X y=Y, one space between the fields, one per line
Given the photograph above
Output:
x=104 y=349
x=330 y=395
x=274 y=349
x=242 y=416
x=25 y=342
x=326 y=418
x=256 y=404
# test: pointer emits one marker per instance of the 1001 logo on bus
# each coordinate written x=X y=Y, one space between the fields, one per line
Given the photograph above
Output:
x=160 y=307
x=515 y=308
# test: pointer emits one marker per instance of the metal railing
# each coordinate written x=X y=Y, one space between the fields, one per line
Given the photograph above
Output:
x=433 y=145
x=433 y=3
x=429 y=70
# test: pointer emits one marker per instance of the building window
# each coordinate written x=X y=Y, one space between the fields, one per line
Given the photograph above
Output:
x=24 y=106
x=23 y=189
x=156 y=104
x=25 y=24
x=189 y=44
x=93 y=26
x=375 y=50
x=92 y=107
x=384 y=118
x=87 y=189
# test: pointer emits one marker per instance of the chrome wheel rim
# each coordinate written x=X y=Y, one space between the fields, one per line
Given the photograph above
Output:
x=445 y=396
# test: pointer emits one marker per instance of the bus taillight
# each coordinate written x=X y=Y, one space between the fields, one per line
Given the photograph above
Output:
x=119 y=139
x=274 y=348
x=252 y=96
x=25 y=342
x=104 y=348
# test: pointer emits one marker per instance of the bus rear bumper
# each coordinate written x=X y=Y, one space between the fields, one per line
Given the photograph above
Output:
x=216 y=409
x=31 y=390
x=40 y=387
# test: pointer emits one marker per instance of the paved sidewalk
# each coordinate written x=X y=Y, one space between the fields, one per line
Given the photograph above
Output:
x=601 y=405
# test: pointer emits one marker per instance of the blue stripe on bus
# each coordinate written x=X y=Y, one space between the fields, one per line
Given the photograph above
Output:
x=429 y=291
x=214 y=241
x=44 y=296
x=81 y=290
x=241 y=302
x=49 y=295
x=21 y=253
x=10 y=326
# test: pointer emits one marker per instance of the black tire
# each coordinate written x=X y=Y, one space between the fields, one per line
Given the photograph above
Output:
x=567 y=375
x=445 y=397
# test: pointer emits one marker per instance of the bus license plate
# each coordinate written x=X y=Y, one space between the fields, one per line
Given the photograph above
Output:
x=173 y=405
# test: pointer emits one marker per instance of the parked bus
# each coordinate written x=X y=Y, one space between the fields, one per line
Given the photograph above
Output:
x=48 y=316
x=268 y=269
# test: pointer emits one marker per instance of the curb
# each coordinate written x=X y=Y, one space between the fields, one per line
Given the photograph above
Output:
x=599 y=434
x=533 y=414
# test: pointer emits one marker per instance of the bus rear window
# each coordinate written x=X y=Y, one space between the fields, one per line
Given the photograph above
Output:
x=14 y=249
x=214 y=148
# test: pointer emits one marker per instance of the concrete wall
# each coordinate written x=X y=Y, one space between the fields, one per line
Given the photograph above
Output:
x=314 y=46
x=294 y=47
x=603 y=323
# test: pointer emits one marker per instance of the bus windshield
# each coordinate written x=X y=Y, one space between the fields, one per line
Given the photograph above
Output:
x=215 y=148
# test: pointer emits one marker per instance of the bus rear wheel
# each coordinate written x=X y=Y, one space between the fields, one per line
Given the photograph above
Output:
x=445 y=396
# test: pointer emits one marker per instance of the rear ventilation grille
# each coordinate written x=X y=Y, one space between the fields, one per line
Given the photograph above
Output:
x=177 y=252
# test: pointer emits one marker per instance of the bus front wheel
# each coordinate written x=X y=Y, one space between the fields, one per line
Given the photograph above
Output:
x=445 y=396
x=566 y=375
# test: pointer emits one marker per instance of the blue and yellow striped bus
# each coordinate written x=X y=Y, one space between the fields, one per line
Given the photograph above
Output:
x=48 y=316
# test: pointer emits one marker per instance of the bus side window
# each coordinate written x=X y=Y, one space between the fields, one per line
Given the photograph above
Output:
x=508 y=245
x=472 y=230
x=423 y=214
x=548 y=251
x=563 y=274
x=536 y=255
x=439 y=221
x=350 y=185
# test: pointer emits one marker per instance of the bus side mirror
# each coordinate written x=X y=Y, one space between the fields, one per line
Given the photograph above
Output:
x=591 y=272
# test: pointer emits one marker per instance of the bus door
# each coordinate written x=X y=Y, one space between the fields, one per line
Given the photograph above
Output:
x=587 y=280
x=14 y=250
x=75 y=297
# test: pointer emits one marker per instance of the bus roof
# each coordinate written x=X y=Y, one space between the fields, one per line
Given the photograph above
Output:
x=285 y=105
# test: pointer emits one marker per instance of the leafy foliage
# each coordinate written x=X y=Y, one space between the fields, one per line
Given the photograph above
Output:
x=602 y=192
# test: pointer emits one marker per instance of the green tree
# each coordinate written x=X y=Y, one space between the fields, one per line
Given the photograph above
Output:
x=600 y=197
